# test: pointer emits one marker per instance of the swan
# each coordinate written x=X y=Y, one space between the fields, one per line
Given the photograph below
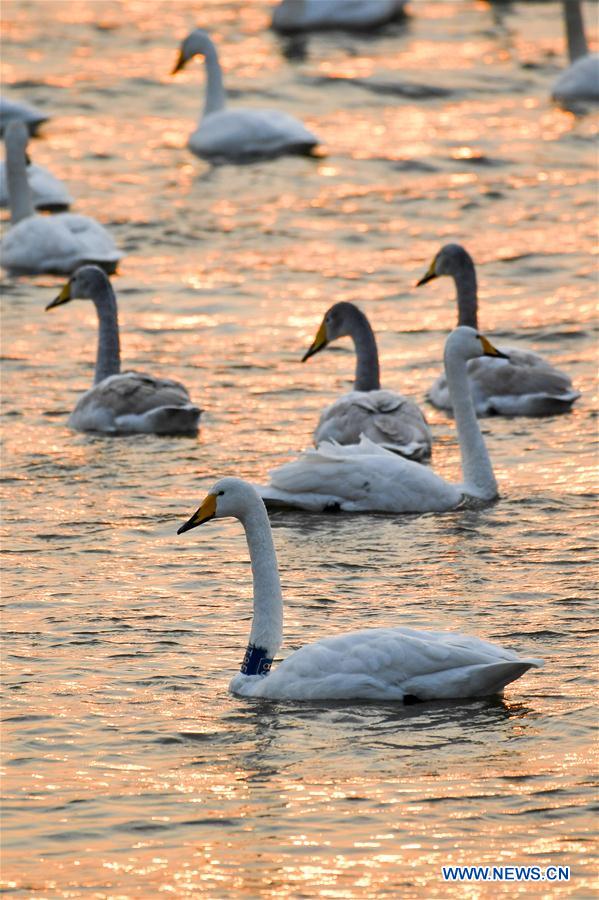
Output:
x=519 y=384
x=291 y=16
x=122 y=402
x=400 y=664
x=367 y=478
x=237 y=134
x=47 y=191
x=580 y=81
x=36 y=244
x=11 y=110
x=387 y=418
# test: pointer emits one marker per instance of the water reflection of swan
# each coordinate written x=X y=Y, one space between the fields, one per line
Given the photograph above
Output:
x=520 y=383
x=580 y=81
x=123 y=402
x=237 y=134
x=383 y=416
x=366 y=477
x=400 y=664
x=291 y=16
x=37 y=243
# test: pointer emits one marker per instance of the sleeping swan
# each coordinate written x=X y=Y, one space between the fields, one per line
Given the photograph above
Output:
x=400 y=664
x=35 y=244
x=123 y=402
x=237 y=134
x=368 y=478
x=518 y=383
x=580 y=81
x=387 y=418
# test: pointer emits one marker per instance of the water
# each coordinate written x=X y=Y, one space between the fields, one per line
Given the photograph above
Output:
x=129 y=769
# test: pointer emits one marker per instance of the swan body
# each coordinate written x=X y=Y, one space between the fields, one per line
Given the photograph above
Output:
x=291 y=16
x=237 y=134
x=16 y=110
x=37 y=244
x=518 y=383
x=385 y=417
x=580 y=81
x=381 y=664
x=123 y=402
x=367 y=478
x=47 y=191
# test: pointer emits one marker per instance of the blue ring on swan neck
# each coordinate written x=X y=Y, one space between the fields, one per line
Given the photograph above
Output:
x=255 y=661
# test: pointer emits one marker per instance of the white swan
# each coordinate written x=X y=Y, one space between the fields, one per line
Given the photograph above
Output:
x=47 y=191
x=386 y=417
x=580 y=81
x=400 y=664
x=368 y=478
x=237 y=134
x=291 y=16
x=35 y=243
x=123 y=402
x=17 y=110
x=519 y=384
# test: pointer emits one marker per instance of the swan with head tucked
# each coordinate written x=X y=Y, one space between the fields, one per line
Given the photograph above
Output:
x=383 y=416
x=367 y=478
x=291 y=16
x=580 y=81
x=237 y=134
x=17 y=110
x=518 y=382
x=123 y=402
x=36 y=244
x=397 y=664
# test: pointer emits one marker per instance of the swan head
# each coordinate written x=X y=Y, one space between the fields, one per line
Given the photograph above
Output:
x=451 y=259
x=467 y=343
x=228 y=497
x=86 y=283
x=336 y=323
x=197 y=42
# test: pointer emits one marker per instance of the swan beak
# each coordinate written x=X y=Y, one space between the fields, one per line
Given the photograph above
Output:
x=206 y=511
x=63 y=297
x=179 y=64
x=319 y=342
x=430 y=274
x=489 y=349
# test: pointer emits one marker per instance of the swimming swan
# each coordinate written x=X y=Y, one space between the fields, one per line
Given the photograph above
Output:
x=400 y=664
x=580 y=81
x=17 y=110
x=237 y=134
x=367 y=478
x=36 y=244
x=291 y=16
x=519 y=382
x=47 y=191
x=386 y=417
x=123 y=402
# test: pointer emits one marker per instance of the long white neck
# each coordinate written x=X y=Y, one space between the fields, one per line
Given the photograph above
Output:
x=267 y=625
x=477 y=471
x=577 y=42
x=215 y=91
x=19 y=193
x=108 y=358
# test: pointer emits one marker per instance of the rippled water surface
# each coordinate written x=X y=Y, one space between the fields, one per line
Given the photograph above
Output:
x=129 y=769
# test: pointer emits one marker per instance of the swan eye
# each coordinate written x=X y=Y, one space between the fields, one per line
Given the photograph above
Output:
x=220 y=493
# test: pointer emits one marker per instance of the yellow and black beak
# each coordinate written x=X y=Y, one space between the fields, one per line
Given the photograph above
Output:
x=63 y=297
x=430 y=274
x=180 y=64
x=319 y=342
x=206 y=512
x=489 y=349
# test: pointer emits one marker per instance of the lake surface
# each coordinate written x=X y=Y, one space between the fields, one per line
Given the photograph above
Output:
x=130 y=771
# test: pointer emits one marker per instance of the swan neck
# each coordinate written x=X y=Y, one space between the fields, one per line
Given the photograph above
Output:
x=267 y=624
x=575 y=36
x=215 y=91
x=108 y=358
x=368 y=376
x=467 y=294
x=477 y=472
x=19 y=192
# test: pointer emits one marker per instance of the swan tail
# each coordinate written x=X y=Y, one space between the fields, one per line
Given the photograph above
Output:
x=468 y=681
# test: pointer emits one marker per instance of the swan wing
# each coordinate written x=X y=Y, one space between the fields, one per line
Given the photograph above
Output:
x=385 y=417
x=244 y=133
